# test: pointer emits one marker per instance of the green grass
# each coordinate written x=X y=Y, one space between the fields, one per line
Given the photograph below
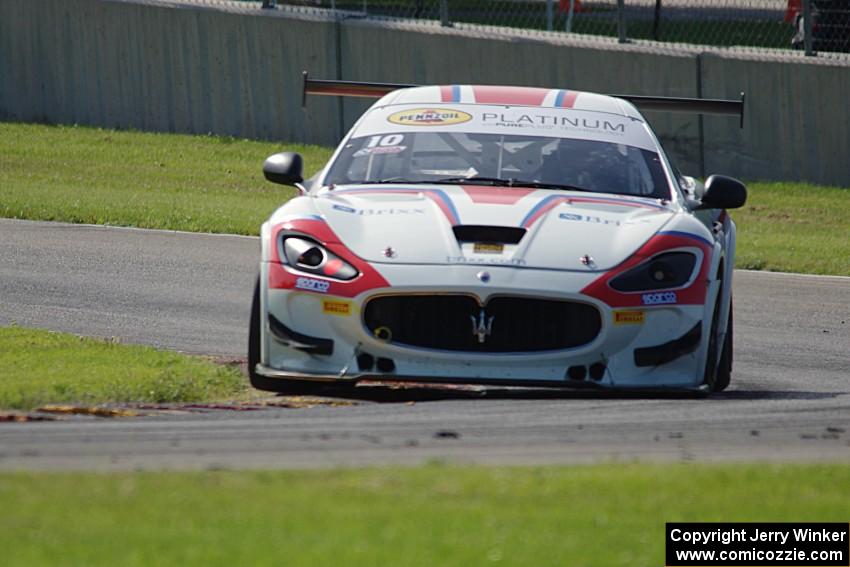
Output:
x=89 y=175
x=39 y=367
x=795 y=227
x=209 y=184
x=434 y=515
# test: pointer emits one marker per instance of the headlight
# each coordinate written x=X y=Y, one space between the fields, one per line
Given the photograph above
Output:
x=664 y=271
x=307 y=256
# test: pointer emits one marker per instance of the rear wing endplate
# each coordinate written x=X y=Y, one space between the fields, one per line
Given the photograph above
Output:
x=653 y=103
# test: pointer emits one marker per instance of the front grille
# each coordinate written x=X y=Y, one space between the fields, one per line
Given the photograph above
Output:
x=445 y=322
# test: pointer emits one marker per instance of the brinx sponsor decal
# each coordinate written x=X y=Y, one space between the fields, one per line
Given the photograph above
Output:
x=593 y=219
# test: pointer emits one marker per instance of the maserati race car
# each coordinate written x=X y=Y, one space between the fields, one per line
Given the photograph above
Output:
x=497 y=235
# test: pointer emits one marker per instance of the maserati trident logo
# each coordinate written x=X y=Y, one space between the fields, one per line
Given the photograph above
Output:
x=482 y=326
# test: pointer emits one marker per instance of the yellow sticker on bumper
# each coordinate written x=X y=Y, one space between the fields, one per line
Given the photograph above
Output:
x=629 y=317
x=342 y=308
x=488 y=248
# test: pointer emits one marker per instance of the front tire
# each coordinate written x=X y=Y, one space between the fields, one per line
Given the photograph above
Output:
x=292 y=387
x=724 y=366
x=718 y=371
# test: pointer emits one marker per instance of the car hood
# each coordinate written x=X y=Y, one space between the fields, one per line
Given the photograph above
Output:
x=417 y=222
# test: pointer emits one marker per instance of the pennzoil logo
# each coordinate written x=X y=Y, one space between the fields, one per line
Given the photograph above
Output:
x=629 y=317
x=429 y=117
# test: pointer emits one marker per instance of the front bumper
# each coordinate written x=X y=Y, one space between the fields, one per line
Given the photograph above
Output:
x=338 y=321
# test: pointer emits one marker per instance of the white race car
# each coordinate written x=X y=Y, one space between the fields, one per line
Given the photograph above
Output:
x=497 y=235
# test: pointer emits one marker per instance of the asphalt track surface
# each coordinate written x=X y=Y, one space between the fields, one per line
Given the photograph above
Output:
x=789 y=399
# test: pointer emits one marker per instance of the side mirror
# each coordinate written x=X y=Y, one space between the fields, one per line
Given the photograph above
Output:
x=723 y=192
x=284 y=168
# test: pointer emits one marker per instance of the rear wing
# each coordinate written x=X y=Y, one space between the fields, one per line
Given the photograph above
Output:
x=657 y=103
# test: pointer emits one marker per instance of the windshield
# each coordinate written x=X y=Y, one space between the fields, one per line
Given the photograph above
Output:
x=454 y=157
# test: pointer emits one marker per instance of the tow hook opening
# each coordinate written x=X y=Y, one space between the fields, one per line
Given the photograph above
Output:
x=597 y=371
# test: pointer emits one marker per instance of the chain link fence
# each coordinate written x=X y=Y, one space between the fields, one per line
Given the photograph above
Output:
x=808 y=25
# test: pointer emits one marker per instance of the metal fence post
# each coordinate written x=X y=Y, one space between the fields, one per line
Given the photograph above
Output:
x=621 y=21
x=568 y=27
x=656 y=21
x=550 y=14
x=807 y=27
x=445 y=21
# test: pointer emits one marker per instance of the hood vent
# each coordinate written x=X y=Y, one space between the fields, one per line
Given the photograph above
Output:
x=489 y=234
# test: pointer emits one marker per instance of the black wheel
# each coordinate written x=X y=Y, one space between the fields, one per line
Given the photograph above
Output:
x=724 y=367
x=261 y=382
x=718 y=373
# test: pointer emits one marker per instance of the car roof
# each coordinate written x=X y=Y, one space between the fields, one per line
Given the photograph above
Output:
x=524 y=111
x=512 y=96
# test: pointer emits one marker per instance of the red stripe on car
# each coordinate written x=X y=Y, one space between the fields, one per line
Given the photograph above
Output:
x=569 y=99
x=495 y=195
x=524 y=96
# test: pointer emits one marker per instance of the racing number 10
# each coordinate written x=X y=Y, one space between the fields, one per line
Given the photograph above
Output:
x=389 y=140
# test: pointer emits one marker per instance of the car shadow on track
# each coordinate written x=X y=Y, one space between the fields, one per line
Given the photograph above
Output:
x=395 y=393
x=416 y=392
x=776 y=395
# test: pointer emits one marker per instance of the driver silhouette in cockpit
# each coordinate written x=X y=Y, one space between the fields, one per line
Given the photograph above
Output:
x=582 y=163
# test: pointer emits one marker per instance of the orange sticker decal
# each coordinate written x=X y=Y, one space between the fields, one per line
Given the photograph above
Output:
x=342 y=308
x=629 y=317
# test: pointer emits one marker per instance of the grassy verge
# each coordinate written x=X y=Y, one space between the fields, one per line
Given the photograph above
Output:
x=149 y=180
x=793 y=227
x=433 y=515
x=209 y=184
x=39 y=367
